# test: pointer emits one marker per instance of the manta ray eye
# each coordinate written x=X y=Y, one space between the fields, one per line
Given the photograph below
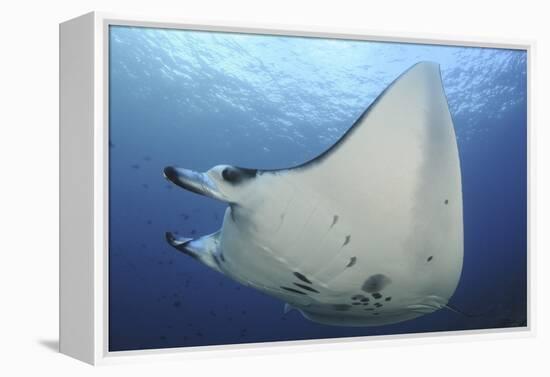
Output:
x=236 y=175
x=230 y=174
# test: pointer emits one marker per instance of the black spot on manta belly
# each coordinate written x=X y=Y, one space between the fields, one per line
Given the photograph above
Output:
x=446 y=201
x=334 y=220
x=429 y=258
x=376 y=295
x=302 y=277
x=306 y=287
x=352 y=261
x=346 y=241
x=375 y=283
x=294 y=291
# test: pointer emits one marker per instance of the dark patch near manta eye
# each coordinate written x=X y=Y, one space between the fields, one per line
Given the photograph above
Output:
x=429 y=258
x=222 y=257
x=302 y=277
x=217 y=261
x=293 y=290
x=306 y=287
x=341 y=307
x=237 y=175
x=375 y=283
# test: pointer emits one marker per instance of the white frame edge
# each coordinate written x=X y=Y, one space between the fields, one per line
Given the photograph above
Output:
x=76 y=193
x=84 y=47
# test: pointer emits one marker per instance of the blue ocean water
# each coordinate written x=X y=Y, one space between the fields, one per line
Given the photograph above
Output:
x=198 y=99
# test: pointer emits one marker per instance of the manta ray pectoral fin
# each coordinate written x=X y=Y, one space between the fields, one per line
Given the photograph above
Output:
x=204 y=249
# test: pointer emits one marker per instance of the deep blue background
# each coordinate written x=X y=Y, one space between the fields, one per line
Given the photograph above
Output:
x=198 y=99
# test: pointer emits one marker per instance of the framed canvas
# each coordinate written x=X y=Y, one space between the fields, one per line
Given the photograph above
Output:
x=230 y=187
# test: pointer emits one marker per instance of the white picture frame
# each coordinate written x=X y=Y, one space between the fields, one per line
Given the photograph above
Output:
x=84 y=154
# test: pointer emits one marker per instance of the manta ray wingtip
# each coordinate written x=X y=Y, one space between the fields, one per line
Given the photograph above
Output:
x=426 y=63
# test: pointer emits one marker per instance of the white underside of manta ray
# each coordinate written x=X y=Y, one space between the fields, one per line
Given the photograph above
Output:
x=368 y=233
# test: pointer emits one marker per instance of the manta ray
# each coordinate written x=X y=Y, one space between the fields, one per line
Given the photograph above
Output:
x=370 y=232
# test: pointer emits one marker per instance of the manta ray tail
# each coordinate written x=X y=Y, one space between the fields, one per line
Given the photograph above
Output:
x=288 y=308
x=469 y=315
